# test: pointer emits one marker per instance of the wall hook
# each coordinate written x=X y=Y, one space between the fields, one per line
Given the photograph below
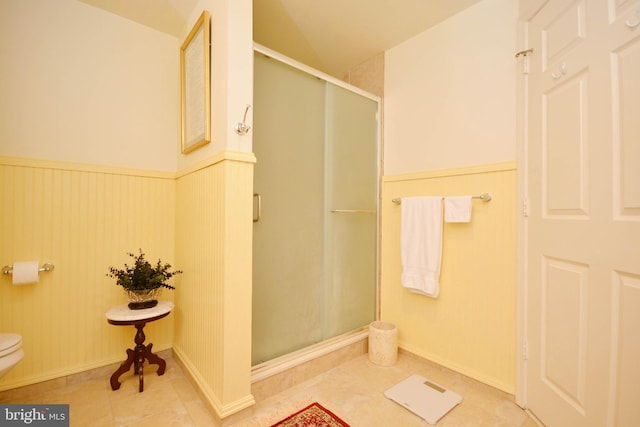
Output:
x=563 y=71
x=631 y=24
x=242 y=127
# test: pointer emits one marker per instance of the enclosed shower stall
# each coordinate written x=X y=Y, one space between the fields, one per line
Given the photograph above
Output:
x=315 y=207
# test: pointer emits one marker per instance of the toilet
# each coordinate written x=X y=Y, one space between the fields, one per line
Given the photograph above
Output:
x=10 y=352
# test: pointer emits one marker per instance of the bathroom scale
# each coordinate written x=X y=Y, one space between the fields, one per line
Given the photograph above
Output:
x=426 y=399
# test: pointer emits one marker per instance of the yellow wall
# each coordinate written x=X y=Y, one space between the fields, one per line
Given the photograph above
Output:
x=83 y=219
x=471 y=326
x=86 y=218
x=92 y=110
x=213 y=307
x=68 y=98
x=459 y=87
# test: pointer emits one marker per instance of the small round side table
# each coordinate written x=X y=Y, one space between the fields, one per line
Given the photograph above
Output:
x=123 y=316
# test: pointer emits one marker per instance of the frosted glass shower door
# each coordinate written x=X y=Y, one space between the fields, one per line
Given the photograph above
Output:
x=314 y=247
x=288 y=240
x=351 y=220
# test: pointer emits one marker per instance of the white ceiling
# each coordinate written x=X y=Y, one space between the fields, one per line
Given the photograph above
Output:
x=329 y=35
x=335 y=35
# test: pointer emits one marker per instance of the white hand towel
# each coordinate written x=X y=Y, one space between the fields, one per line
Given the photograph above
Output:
x=457 y=209
x=421 y=244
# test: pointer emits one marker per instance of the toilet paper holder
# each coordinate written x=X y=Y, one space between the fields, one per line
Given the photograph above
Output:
x=8 y=269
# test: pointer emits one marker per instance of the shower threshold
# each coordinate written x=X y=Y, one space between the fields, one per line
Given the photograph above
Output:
x=296 y=358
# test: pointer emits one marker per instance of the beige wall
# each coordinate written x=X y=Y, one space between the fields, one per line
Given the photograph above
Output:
x=89 y=165
x=450 y=129
x=55 y=111
x=231 y=76
x=82 y=85
x=368 y=76
x=213 y=228
x=450 y=92
x=87 y=97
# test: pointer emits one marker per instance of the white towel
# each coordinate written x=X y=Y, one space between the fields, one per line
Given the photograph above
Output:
x=421 y=244
x=457 y=209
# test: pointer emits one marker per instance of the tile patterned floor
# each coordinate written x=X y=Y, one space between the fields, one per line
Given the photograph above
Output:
x=168 y=400
x=353 y=391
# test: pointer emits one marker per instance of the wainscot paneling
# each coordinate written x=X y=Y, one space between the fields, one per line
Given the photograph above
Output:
x=471 y=326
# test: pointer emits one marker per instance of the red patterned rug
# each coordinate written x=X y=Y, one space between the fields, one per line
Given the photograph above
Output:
x=313 y=415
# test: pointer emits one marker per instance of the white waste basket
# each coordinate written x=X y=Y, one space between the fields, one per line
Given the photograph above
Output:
x=383 y=343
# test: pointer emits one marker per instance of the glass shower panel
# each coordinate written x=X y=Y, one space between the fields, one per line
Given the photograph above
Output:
x=314 y=247
x=288 y=239
x=351 y=220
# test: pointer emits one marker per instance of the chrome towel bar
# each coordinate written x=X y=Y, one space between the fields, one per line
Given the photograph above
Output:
x=486 y=197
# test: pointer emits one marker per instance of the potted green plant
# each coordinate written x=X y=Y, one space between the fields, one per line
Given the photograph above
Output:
x=143 y=282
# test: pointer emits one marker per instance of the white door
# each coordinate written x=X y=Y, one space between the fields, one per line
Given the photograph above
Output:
x=583 y=228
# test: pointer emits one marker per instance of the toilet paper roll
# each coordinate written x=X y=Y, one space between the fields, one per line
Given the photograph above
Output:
x=25 y=272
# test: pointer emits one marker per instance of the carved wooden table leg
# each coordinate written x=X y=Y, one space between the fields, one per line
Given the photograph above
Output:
x=141 y=352
x=154 y=359
x=124 y=367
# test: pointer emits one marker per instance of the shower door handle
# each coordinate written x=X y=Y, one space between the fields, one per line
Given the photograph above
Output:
x=259 y=210
x=370 y=211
